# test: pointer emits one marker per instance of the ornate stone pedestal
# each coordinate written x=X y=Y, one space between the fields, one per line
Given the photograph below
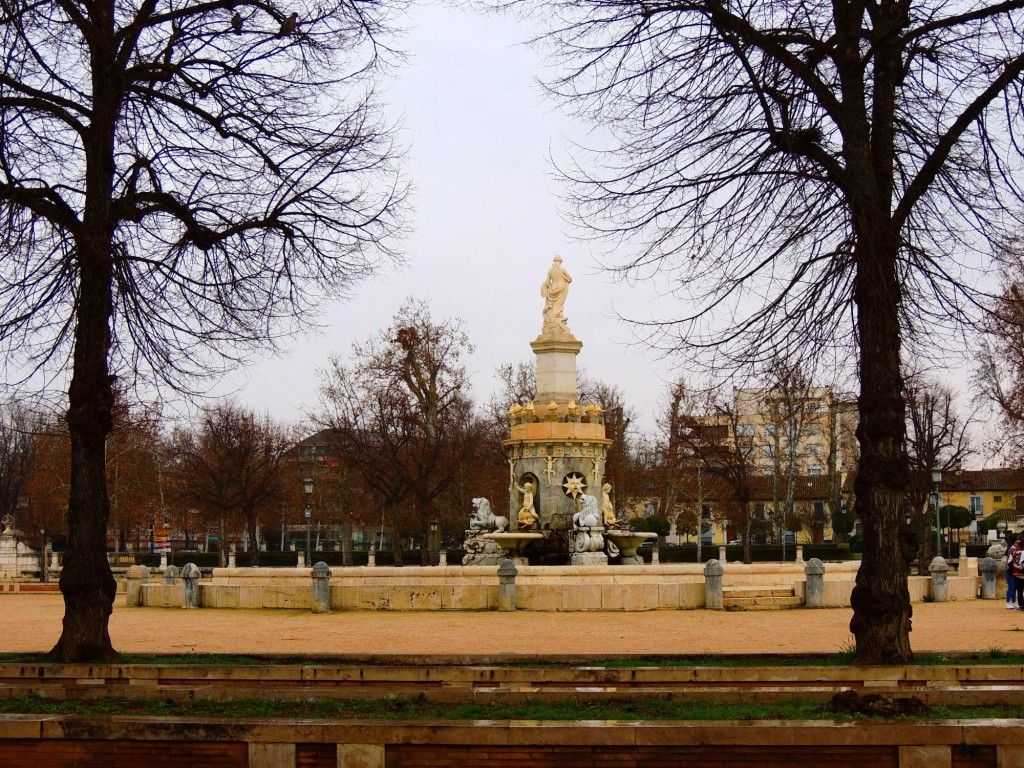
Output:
x=481 y=551
x=586 y=547
x=512 y=543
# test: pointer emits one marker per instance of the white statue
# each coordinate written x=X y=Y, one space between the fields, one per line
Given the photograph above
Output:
x=527 y=514
x=607 y=508
x=484 y=517
x=555 y=289
x=588 y=516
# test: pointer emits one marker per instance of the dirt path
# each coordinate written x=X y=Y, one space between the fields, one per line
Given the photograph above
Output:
x=32 y=623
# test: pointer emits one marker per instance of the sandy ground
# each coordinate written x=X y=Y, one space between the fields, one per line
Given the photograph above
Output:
x=32 y=623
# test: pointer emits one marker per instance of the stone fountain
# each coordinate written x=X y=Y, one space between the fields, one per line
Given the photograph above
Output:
x=556 y=455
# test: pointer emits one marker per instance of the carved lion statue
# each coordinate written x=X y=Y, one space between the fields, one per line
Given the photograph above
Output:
x=588 y=516
x=484 y=517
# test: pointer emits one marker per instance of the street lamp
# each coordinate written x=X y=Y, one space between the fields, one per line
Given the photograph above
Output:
x=307 y=492
x=936 y=479
x=42 y=571
x=433 y=539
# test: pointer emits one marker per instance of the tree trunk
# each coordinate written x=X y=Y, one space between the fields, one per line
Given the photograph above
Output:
x=881 y=600
x=251 y=531
x=222 y=544
x=346 y=540
x=86 y=582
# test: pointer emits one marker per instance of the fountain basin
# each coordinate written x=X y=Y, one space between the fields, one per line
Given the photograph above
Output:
x=512 y=543
x=627 y=542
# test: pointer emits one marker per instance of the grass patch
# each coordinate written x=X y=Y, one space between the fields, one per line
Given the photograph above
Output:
x=419 y=708
x=845 y=658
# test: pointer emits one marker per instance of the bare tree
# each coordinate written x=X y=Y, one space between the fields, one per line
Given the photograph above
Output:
x=402 y=412
x=18 y=427
x=1000 y=373
x=175 y=176
x=791 y=409
x=230 y=467
x=814 y=179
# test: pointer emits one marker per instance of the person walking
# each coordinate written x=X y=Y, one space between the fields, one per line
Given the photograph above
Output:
x=1018 y=571
x=1011 y=586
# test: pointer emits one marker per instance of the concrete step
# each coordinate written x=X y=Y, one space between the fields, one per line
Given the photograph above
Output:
x=741 y=592
x=765 y=603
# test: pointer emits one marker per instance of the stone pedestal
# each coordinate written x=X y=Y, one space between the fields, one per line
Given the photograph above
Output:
x=321 y=577
x=190 y=575
x=814 y=592
x=939 y=570
x=480 y=550
x=988 y=568
x=507 y=573
x=713 y=593
x=586 y=547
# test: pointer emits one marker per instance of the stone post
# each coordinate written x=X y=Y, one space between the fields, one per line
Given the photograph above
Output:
x=321 y=575
x=722 y=558
x=655 y=556
x=507 y=573
x=962 y=557
x=814 y=592
x=371 y=558
x=231 y=556
x=171 y=576
x=163 y=561
x=442 y=557
x=713 y=571
x=800 y=553
x=302 y=560
x=939 y=570
x=988 y=568
x=136 y=577
x=54 y=561
x=190 y=573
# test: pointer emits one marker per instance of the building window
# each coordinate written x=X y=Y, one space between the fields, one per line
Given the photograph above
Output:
x=745 y=430
x=768 y=430
x=814 y=469
x=997 y=499
x=976 y=507
x=819 y=510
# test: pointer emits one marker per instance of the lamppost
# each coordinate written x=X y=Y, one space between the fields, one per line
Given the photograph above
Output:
x=42 y=571
x=936 y=479
x=433 y=540
x=307 y=492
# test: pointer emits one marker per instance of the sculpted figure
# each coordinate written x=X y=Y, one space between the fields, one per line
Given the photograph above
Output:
x=554 y=289
x=607 y=508
x=527 y=514
x=484 y=517
x=588 y=516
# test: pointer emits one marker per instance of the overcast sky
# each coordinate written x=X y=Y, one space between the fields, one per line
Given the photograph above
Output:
x=480 y=135
x=486 y=224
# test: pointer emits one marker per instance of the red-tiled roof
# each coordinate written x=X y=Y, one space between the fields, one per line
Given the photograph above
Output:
x=998 y=479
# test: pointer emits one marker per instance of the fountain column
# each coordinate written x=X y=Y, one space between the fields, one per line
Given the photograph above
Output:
x=555 y=442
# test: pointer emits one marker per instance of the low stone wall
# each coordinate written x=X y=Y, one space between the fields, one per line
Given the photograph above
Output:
x=29 y=741
x=537 y=588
